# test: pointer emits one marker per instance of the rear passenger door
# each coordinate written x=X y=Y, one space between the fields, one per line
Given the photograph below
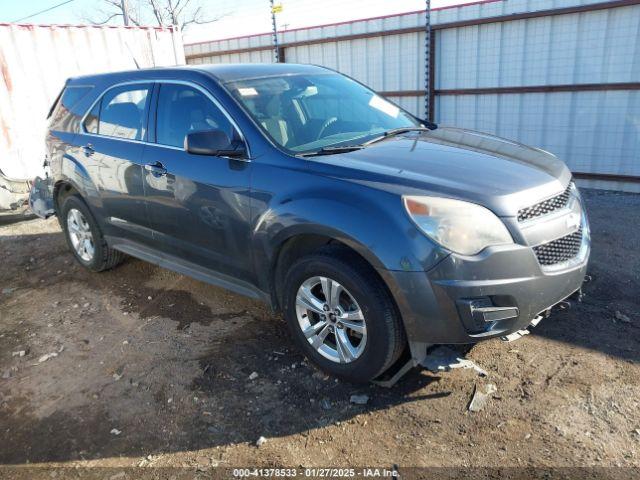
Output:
x=111 y=142
x=198 y=205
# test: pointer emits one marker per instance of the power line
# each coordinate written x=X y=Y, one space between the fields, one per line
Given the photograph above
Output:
x=42 y=11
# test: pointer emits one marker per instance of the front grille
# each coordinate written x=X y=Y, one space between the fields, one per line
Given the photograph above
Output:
x=560 y=250
x=548 y=206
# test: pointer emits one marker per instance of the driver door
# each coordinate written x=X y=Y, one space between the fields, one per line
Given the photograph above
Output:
x=198 y=205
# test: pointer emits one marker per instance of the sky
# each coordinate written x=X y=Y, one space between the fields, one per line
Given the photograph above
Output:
x=238 y=17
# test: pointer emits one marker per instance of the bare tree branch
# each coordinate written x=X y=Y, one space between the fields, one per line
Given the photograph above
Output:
x=164 y=13
x=106 y=20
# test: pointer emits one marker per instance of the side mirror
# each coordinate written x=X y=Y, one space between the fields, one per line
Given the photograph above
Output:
x=214 y=143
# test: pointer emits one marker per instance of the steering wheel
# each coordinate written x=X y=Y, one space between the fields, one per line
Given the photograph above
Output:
x=327 y=123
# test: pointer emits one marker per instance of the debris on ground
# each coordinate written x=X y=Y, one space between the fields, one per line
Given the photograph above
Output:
x=8 y=290
x=253 y=376
x=444 y=359
x=359 y=399
x=19 y=353
x=325 y=403
x=115 y=431
x=622 y=317
x=261 y=441
x=480 y=398
x=563 y=380
x=47 y=356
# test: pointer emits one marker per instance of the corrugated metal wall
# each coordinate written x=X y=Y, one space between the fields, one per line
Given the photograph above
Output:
x=593 y=131
x=35 y=61
x=563 y=75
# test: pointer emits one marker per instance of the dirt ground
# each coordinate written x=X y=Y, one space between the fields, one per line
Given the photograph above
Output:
x=150 y=368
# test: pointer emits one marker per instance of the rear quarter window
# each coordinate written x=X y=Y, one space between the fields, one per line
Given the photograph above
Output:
x=62 y=116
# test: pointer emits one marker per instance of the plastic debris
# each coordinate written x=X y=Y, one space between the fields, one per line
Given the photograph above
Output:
x=444 y=359
x=46 y=357
x=253 y=376
x=622 y=317
x=359 y=399
x=480 y=398
x=261 y=441
x=115 y=431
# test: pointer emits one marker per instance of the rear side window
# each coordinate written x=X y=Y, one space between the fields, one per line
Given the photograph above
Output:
x=183 y=109
x=120 y=113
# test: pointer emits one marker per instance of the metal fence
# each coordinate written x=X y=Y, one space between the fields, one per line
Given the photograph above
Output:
x=563 y=75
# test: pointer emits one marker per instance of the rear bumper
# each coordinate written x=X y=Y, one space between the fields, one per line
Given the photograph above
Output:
x=507 y=283
x=41 y=197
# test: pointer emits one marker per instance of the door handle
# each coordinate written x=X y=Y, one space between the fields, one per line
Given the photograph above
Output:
x=88 y=150
x=156 y=169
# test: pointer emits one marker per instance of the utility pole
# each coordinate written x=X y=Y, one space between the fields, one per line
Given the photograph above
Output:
x=427 y=62
x=125 y=12
x=274 y=10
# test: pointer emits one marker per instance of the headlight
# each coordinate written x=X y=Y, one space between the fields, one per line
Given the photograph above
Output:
x=462 y=227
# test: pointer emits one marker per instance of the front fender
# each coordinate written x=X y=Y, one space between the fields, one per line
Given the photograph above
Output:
x=377 y=229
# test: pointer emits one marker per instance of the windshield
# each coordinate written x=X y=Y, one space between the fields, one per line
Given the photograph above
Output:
x=305 y=113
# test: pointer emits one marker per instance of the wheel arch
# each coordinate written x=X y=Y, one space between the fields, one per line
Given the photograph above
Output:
x=302 y=242
x=74 y=176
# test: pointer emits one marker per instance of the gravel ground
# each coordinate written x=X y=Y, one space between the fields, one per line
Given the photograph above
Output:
x=142 y=367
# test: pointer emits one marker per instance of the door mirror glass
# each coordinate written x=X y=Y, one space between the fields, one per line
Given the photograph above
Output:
x=214 y=143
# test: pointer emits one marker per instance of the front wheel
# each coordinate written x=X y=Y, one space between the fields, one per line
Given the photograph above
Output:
x=341 y=315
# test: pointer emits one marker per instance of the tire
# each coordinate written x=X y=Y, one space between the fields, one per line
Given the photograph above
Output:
x=103 y=257
x=365 y=293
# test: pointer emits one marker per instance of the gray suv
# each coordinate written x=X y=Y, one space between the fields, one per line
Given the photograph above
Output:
x=377 y=234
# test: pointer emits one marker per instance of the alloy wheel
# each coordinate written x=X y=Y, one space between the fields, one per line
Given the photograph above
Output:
x=80 y=235
x=331 y=319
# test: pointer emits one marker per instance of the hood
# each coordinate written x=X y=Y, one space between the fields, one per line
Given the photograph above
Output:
x=500 y=174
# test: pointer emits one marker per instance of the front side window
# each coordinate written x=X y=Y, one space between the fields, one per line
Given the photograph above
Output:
x=183 y=109
x=304 y=113
x=120 y=113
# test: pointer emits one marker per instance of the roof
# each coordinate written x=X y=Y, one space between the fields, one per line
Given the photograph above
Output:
x=230 y=72
x=221 y=72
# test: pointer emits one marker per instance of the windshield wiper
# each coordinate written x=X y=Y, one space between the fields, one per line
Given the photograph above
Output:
x=332 y=150
x=397 y=131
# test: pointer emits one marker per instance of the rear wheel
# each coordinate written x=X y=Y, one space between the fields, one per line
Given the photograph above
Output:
x=341 y=316
x=84 y=237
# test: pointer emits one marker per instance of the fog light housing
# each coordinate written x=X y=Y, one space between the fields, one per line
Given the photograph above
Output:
x=481 y=315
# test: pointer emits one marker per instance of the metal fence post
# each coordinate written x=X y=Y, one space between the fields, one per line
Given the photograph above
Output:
x=276 y=50
x=428 y=108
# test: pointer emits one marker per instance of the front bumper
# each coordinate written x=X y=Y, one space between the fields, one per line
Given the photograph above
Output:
x=436 y=305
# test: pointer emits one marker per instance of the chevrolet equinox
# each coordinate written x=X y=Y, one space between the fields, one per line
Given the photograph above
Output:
x=375 y=233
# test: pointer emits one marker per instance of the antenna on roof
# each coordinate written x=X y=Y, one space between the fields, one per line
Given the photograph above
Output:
x=133 y=57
